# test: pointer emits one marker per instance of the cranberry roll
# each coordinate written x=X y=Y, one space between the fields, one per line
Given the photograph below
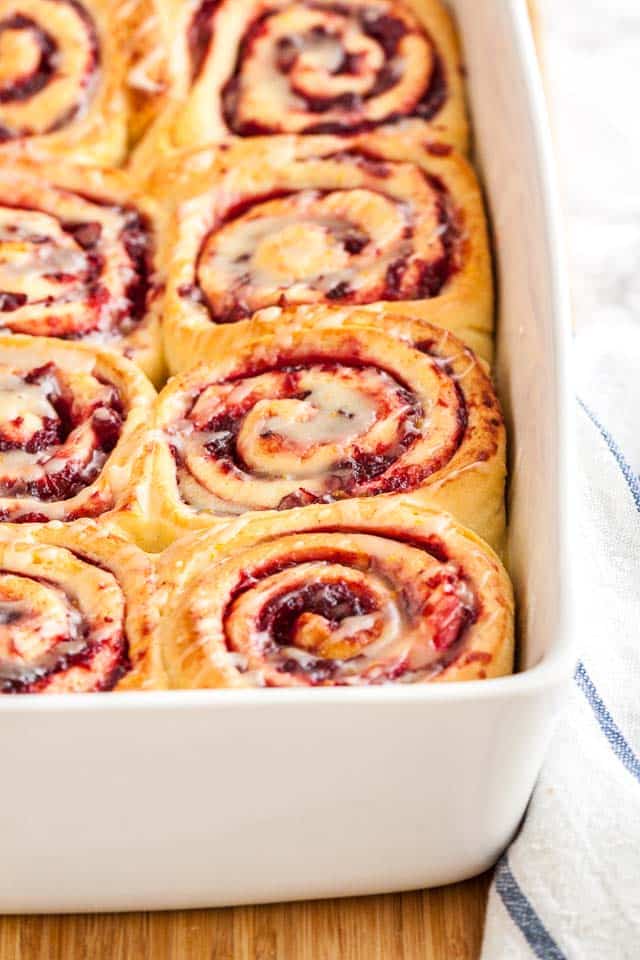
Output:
x=62 y=76
x=246 y=68
x=78 y=259
x=369 y=220
x=325 y=405
x=77 y=612
x=346 y=594
x=70 y=425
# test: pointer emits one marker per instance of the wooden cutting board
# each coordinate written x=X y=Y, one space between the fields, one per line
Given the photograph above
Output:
x=441 y=924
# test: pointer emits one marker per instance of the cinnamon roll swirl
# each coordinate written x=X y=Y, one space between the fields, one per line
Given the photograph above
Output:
x=77 y=612
x=62 y=73
x=327 y=404
x=70 y=426
x=346 y=594
x=78 y=259
x=367 y=220
x=242 y=68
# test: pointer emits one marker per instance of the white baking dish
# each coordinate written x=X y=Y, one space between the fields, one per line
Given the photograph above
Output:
x=186 y=799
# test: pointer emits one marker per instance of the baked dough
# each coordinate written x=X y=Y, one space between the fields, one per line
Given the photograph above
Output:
x=79 y=259
x=77 y=611
x=346 y=594
x=71 y=421
x=324 y=404
x=291 y=221
x=147 y=76
x=62 y=73
x=246 y=68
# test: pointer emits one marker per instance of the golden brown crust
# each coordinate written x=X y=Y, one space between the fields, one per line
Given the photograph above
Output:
x=367 y=221
x=147 y=73
x=80 y=248
x=80 y=611
x=134 y=515
x=69 y=55
x=329 y=403
x=351 y=593
x=71 y=419
x=230 y=74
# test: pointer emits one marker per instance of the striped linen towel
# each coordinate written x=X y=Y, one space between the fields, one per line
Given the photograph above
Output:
x=569 y=885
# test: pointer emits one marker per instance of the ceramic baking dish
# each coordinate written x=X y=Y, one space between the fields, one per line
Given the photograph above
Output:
x=183 y=799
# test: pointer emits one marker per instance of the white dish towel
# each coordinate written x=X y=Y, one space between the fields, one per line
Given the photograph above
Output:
x=569 y=885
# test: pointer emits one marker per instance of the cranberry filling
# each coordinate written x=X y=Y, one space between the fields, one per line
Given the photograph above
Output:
x=37 y=679
x=199 y=35
x=9 y=615
x=367 y=160
x=333 y=601
x=448 y=615
x=360 y=469
x=85 y=234
x=436 y=94
x=136 y=239
x=385 y=29
x=51 y=433
x=106 y=419
x=432 y=276
x=75 y=649
x=24 y=87
x=11 y=301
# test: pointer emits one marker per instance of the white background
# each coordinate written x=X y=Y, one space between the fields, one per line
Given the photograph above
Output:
x=591 y=52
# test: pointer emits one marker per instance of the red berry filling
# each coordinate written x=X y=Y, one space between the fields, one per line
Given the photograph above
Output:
x=64 y=440
x=376 y=67
x=343 y=245
x=344 y=427
x=47 y=65
x=77 y=281
x=323 y=615
x=33 y=657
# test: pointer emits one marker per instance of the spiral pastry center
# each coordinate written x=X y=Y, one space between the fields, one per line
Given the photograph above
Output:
x=49 y=58
x=314 y=612
x=56 y=432
x=341 y=607
x=27 y=55
x=388 y=236
x=34 y=616
x=316 y=432
x=52 y=635
x=70 y=266
x=323 y=67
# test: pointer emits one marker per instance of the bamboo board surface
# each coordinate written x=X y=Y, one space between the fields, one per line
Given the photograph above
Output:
x=440 y=924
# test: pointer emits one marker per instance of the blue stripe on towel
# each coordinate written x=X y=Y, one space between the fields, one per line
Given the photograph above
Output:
x=622 y=749
x=632 y=480
x=523 y=915
x=609 y=727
